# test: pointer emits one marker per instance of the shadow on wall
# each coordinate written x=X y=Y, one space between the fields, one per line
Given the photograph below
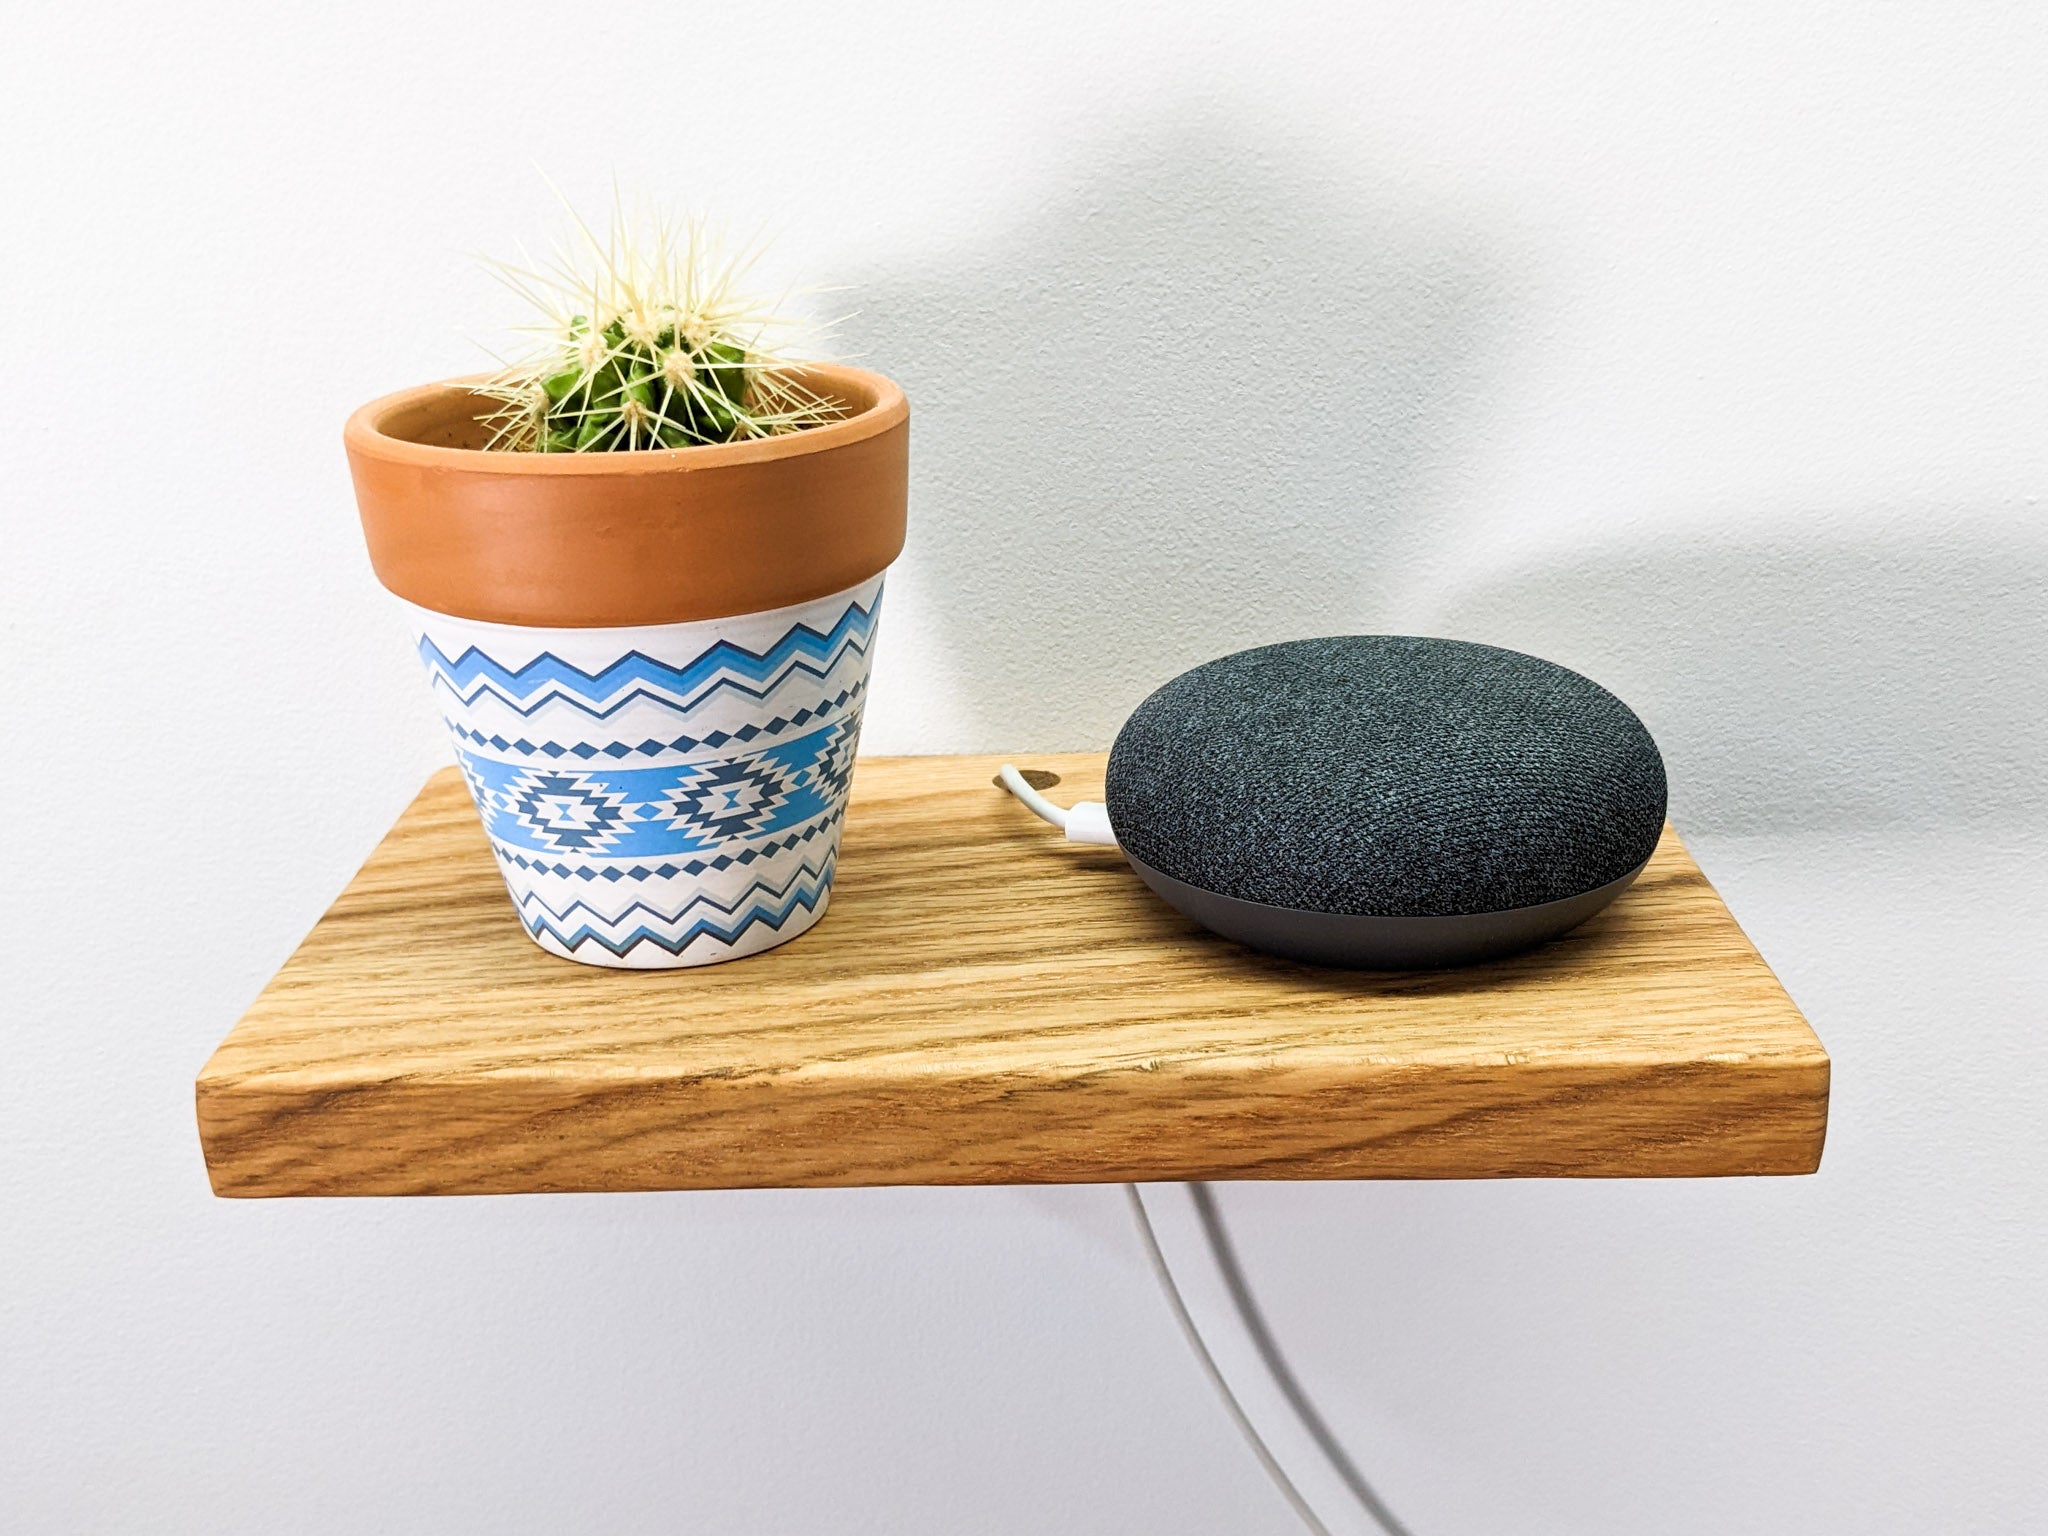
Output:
x=1203 y=399
x=1216 y=393
x=1805 y=671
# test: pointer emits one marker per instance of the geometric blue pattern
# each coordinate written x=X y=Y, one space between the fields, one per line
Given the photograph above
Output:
x=729 y=799
x=565 y=811
x=669 y=811
x=579 y=923
x=547 y=679
x=639 y=806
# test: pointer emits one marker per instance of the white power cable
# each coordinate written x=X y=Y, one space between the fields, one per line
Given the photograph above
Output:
x=1087 y=821
x=1207 y=1361
x=1232 y=1275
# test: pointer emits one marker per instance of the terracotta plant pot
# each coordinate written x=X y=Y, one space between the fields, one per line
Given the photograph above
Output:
x=652 y=663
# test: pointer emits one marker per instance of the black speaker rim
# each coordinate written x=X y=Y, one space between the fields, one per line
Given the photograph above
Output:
x=1361 y=942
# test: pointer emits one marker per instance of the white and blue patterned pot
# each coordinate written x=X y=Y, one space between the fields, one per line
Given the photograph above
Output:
x=665 y=795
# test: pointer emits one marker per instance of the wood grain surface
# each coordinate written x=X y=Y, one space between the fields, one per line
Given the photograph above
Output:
x=986 y=1003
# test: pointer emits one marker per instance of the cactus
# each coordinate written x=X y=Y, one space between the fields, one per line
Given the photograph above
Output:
x=647 y=344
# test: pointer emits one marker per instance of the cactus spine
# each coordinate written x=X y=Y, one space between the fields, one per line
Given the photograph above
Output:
x=647 y=344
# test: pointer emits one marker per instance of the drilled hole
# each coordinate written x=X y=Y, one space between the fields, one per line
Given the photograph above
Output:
x=1037 y=778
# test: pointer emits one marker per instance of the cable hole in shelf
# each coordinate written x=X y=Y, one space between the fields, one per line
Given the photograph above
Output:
x=1037 y=778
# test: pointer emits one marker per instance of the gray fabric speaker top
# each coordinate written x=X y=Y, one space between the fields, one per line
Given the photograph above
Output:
x=1389 y=776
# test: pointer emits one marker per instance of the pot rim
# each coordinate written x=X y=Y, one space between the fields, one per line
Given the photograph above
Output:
x=886 y=408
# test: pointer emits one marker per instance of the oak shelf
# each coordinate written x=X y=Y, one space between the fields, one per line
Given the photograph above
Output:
x=985 y=1003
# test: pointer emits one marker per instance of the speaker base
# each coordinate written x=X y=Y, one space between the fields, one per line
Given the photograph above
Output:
x=1364 y=943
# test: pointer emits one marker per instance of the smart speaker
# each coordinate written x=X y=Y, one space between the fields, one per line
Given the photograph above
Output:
x=1384 y=802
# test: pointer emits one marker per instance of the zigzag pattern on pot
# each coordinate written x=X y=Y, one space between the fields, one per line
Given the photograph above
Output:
x=619 y=750
x=548 y=679
x=612 y=874
x=703 y=917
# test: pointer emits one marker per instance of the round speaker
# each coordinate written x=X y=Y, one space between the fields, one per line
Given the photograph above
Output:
x=1386 y=802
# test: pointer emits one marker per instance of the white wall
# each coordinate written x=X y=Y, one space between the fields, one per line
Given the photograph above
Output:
x=1700 y=349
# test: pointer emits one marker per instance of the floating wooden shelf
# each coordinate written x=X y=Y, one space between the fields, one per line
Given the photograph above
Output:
x=986 y=1003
